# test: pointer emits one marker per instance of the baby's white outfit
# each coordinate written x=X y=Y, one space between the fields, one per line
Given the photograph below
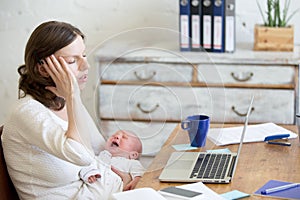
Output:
x=134 y=167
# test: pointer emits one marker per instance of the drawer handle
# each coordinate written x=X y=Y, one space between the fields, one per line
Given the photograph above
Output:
x=246 y=77
x=151 y=75
x=147 y=111
x=240 y=114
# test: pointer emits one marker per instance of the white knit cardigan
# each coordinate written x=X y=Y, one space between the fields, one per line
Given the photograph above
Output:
x=43 y=163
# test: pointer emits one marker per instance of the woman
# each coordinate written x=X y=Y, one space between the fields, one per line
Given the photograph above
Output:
x=49 y=136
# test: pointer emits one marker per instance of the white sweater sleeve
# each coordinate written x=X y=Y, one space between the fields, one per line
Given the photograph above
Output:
x=39 y=128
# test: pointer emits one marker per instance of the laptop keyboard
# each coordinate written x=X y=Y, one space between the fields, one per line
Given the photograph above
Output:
x=211 y=166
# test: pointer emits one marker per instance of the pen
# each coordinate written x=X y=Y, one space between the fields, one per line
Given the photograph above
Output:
x=280 y=188
x=280 y=143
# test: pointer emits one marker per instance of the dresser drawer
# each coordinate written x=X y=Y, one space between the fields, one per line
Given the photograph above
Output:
x=254 y=74
x=154 y=72
x=153 y=135
x=151 y=103
x=229 y=105
x=270 y=105
x=163 y=104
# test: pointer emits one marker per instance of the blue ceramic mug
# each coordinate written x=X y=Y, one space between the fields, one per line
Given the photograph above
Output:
x=197 y=127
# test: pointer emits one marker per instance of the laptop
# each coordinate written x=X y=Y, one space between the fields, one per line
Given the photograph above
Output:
x=207 y=167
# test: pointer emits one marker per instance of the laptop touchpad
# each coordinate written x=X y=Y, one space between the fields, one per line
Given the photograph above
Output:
x=180 y=164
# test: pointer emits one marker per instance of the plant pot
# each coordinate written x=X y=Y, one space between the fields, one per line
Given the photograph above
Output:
x=273 y=38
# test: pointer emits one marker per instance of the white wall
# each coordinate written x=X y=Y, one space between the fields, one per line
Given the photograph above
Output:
x=99 y=20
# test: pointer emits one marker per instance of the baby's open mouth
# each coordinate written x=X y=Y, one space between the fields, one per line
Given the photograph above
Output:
x=114 y=144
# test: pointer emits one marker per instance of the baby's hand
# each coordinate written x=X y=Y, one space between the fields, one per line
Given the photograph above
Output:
x=89 y=174
x=93 y=178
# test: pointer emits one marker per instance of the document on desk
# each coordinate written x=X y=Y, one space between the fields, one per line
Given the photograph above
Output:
x=150 y=194
x=140 y=193
x=207 y=193
x=254 y=133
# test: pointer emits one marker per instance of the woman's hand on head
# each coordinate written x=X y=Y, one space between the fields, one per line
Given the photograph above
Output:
x=65 y=81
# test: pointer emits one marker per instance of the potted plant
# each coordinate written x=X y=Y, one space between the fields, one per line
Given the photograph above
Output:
x=275 y=34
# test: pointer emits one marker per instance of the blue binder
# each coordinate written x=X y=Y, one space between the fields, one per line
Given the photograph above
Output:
x=184 y=25
x=219 y=26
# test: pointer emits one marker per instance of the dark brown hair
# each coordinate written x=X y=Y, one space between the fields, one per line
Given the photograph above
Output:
x=44 y=41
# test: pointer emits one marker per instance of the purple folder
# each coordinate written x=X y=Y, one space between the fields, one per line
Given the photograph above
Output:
x=291 y=193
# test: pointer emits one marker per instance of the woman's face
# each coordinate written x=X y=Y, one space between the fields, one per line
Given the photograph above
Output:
x=74 y=55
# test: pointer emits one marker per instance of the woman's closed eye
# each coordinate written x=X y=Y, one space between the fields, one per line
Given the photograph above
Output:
x=71 y=61
x=74 y=59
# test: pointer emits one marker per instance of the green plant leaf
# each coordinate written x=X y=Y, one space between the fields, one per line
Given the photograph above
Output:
x=261 y=12
x=276 y=16
x=293 y=13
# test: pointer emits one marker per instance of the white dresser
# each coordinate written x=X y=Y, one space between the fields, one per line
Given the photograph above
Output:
x=150 y=90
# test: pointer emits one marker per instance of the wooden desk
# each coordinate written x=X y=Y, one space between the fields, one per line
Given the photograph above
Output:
x=258 y=163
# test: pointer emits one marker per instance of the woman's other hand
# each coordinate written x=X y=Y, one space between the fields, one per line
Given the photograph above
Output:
x=126 y=178
x=132 y=184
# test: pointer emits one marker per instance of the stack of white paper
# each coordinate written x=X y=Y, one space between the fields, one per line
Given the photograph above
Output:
x=207 y=193
x=138 y=194
x=254 y=133
x=151 y=194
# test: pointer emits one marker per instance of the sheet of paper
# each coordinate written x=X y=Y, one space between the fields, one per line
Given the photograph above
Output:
x=207 y=193
x=254 y=133
x=140 y=193
x=150 y=194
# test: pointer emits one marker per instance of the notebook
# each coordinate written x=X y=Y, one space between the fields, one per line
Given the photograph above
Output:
x=207 y=167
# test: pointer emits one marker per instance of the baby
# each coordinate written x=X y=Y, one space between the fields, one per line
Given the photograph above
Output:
x=122 y=151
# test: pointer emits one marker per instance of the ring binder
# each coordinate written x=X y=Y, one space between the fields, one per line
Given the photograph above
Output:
x=219 y=28
x=207 y=27
x=195 y=25
x=184 y=24
x=229 y=26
